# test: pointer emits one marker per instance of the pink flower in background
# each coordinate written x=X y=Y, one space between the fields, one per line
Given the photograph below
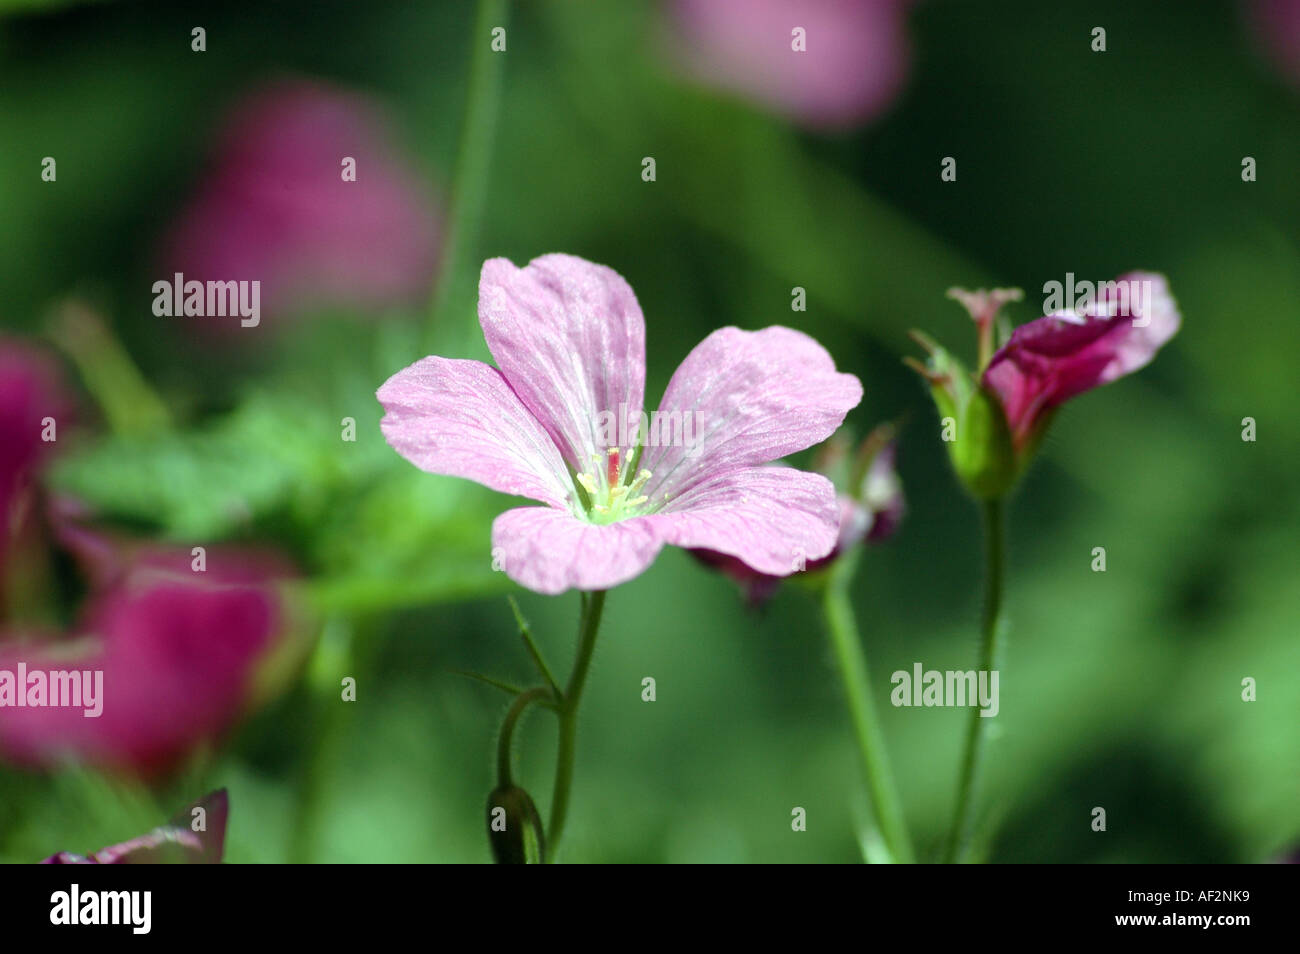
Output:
x=274 y=207
x=871 y=507
x=30 y=393
x=852 y=69
x=1277 y=23
x=178 y=650
x=1052 y=359
x=569 y=341
x=173 y=843
x=177 y=653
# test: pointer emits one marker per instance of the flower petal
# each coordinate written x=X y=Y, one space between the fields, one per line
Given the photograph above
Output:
x=859 y=64
x=743 y=398
x=177 y=660
x=775 y=519
x=173 y=843
x=1052 y=359
x=460 y=418
x=550 y=551
x=569 y=337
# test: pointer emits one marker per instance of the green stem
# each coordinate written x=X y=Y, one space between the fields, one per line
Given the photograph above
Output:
x=852 y=664
x=456 y=284
x=516 y=709
x=526 y=632
x=593 y=604
x=335 y=655
x=995 y=559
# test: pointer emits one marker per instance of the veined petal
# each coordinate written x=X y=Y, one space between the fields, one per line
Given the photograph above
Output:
x=775 y=519
x=743 y=398
x=550 y=551
x=569 y=337
x=1052 y=359
x=460 y=418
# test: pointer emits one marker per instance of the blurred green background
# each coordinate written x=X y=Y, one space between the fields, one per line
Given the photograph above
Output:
x=1119 y=689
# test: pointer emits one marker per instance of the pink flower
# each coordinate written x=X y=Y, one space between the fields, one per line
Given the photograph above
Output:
x=173 y=843
x=30 y=393
x=871 y=507
x=1052 y=359
x=172 y=653
x=852 y=67
x=176 y=652
x=1277 y=24
x=552 y=424
x=276 y=208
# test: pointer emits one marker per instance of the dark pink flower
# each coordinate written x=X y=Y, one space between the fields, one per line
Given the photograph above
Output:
x=553 y=422
x=275 y=207
x=1052 y=359
x=30 y=394
x=853 y=66
x=177 y=654
x=1277 y=24
x=176 y=842
x=173 y=653
x=871 y=507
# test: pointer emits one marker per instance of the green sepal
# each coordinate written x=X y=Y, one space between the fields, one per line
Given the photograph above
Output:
x=982 y=453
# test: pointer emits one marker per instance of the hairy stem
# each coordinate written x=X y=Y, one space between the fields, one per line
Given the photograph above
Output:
x=851 y=661
x=995 y=558
x=593 y=604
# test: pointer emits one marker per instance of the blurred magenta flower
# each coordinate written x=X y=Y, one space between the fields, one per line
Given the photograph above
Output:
x=176 y=842
x=30 y=395
x=851 y=69
x=871 y=507
x=274 y=207
x=569 y=339
x=1277 y=24
x=1048 y=361
x=178 y=657
x=177 y=651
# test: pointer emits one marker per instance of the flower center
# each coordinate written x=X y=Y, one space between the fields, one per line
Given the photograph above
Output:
x=609 y=492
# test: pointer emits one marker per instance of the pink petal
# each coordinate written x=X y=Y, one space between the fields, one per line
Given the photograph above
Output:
x=853 y=67
x=173 y=843
x=177 y=659
x=275 y=207
x=550 y=551
x=752 y=397
x=775 y=519
x=31 y=389
x=460 y=418
x=569 y=337
x=1277 y=25
x=1052 y=359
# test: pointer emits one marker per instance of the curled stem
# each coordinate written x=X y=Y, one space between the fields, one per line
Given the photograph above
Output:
x=522 y=701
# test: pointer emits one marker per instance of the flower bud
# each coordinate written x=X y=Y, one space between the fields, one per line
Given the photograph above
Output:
x=514 y=827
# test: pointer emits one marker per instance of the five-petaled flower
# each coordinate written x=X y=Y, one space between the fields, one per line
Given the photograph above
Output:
x=568 y=338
